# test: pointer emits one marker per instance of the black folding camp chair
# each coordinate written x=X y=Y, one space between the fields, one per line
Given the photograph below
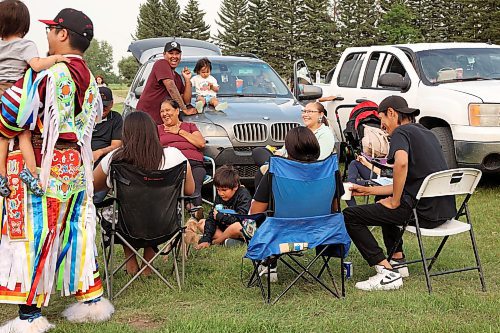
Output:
x=146 y=212
x=447 y=182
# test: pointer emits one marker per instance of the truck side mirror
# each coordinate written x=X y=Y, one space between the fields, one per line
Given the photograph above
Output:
x=138 y=91
x=309 y=92
x=394 y=80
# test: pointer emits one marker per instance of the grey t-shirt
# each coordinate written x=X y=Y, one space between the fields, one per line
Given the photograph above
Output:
x=14 y=58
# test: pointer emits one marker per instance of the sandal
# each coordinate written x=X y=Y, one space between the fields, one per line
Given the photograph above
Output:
x=32 y=182
x=4 y=186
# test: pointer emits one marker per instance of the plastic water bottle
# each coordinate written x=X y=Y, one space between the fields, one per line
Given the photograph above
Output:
x=318 y=77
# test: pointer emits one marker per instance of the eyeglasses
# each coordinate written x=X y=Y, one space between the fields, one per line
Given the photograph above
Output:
x=309 y=111
x=50 y=27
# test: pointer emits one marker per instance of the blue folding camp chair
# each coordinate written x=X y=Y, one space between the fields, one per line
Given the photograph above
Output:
x=301 y=201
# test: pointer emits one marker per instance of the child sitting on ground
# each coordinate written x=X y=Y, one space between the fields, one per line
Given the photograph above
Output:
x=206 y=86
x=230 y=195
x=16 y=54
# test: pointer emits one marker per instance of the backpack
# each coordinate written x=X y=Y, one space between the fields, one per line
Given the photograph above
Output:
x=375 y=142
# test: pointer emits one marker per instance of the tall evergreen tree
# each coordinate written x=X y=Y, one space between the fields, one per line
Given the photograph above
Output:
x=257 y=30
x=151 y=20
x=320 y=36
x=357 y=22
x=397 y=25
x=172 y=16
x=194 y=25
x=285 y=43
x=232 y=20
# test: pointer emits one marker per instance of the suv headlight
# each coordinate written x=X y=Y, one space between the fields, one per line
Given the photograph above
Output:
x=484 y=114
x=212 y=130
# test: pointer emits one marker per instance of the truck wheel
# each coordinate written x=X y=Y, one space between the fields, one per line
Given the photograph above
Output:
x=443 y=134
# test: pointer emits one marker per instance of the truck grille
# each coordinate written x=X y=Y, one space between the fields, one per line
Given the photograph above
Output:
x=278 y=131
x=250 y=132
x=246 y=171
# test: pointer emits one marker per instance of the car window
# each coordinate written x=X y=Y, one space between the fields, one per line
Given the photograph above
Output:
x=259 y=79
x=381 y=63
x=449 y=65
x=349 y=72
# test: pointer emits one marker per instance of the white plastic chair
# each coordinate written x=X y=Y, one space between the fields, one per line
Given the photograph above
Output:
x=448 y=182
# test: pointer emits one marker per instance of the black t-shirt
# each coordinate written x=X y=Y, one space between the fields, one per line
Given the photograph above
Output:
x=424 y=157
x=110 y=128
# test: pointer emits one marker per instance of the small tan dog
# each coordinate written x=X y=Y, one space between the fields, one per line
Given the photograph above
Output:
x=192 y=233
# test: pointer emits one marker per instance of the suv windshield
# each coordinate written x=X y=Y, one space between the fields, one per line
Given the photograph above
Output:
x=256 y=78
x=451 y=65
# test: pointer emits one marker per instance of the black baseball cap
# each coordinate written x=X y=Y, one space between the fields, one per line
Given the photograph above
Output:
x=172 y=45
x=106 y=96
x=73 y=20
x=398 y=103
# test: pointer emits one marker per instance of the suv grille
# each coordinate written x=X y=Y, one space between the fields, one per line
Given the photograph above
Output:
x=246 y=171
x=278 y=131
x=245 y=149
x=250 y=132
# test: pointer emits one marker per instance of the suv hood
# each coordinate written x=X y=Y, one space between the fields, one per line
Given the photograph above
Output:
x=251 y=110
x=486 y=90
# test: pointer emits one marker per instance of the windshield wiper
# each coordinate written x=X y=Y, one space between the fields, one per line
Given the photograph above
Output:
x=246 y=95
x=466 y=79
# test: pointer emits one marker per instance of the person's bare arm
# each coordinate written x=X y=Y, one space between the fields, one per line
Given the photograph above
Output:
x=39 y=64
x=257 y=207
x=358 y=190
x=367 y=164
x=103 y=151
x=176 y=96
x=195 y=138
x=400 y=172
x=214 y=87
x=189 y=182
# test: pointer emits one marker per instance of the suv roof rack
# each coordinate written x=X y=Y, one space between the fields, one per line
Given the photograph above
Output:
x=245 y=54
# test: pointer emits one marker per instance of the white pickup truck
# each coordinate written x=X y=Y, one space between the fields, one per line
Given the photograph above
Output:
x=456 y=86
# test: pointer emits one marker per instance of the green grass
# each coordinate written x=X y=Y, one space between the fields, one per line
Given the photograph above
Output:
x=213 y=298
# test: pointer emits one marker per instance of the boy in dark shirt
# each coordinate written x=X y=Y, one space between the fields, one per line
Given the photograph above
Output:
x=230 y=195
x=415 y=153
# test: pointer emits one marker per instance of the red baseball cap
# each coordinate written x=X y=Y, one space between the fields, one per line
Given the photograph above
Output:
x=73 y=20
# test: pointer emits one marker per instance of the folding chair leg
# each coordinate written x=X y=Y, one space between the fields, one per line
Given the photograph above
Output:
x=111 y=263
x=476 y=254
x=438 y=251
x=256 y=276
x=424 y=260
x=176 y=269
x=105 y=264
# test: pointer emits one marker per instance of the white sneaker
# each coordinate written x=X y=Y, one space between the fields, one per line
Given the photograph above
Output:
x=385 y=279
x=199 y=106
x=263 y=271
x=403 y=270
x=221 y=106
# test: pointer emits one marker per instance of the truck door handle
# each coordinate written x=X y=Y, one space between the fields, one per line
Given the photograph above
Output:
x=361 y=100
x=338 y=98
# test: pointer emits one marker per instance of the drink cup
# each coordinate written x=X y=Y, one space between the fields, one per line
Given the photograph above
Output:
x=347 y=192
x=239 y=86
x=460 y=73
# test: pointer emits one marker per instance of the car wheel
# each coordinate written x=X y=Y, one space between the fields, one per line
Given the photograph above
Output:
x=443 y=134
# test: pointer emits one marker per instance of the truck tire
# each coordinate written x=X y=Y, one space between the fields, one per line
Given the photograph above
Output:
x=443 y=134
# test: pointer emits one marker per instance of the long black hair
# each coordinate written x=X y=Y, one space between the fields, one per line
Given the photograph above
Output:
x=141 y=145
x=301 y=144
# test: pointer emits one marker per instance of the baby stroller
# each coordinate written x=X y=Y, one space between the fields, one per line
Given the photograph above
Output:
x=363 y=114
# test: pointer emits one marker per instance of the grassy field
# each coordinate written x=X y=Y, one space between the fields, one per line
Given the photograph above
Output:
x=215 y=300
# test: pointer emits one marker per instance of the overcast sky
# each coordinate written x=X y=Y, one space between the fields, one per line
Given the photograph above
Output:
x=114 y=20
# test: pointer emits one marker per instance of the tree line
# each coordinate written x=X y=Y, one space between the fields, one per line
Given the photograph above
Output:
x=281 y=31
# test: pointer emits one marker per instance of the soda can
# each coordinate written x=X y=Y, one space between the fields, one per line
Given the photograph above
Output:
x=460 y=73
x=348 y=269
